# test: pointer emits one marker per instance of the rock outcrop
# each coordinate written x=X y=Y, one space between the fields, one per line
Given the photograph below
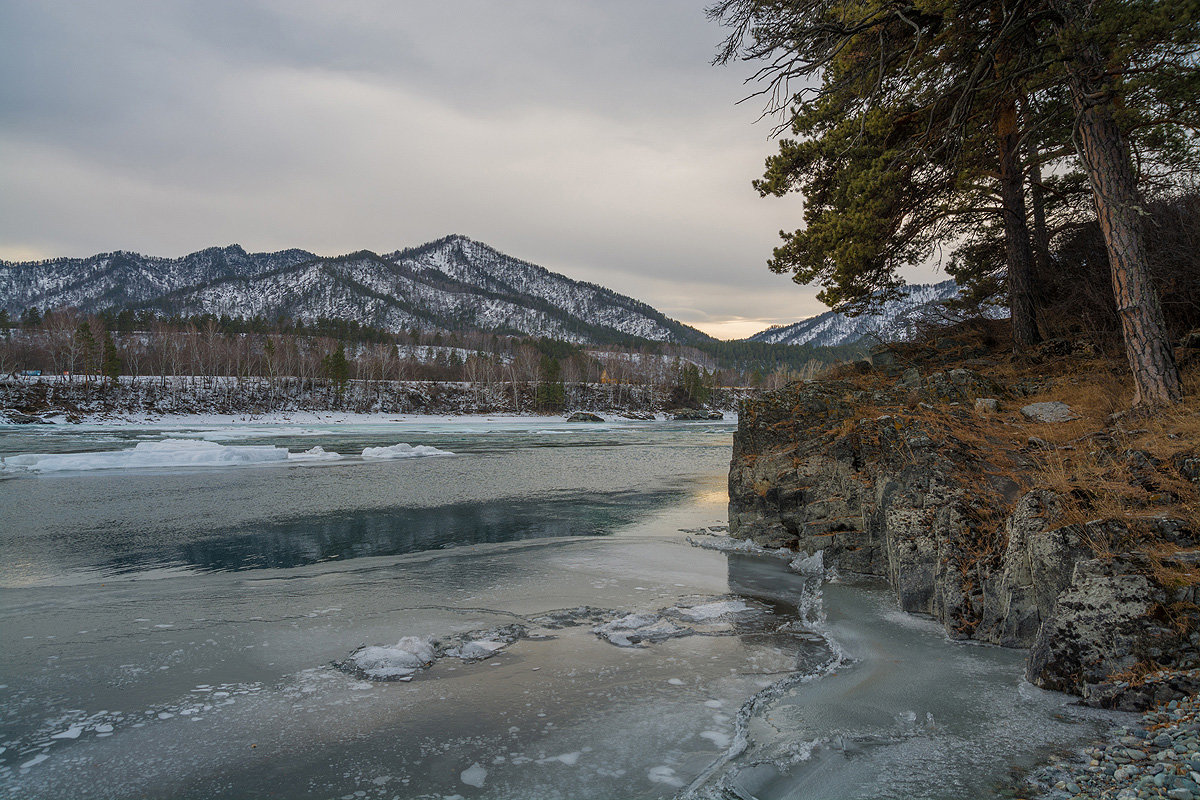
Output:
x=904 y=483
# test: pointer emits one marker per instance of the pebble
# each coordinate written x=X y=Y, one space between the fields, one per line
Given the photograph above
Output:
x=1160 y=758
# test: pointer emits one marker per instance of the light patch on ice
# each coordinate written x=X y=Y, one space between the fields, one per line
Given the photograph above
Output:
x=813 y=565
x=903 y=618
x=709 y=611
x=70 y=733
x=634 y=629
x=721 y=740
x=403 y=450
x=727 y=544
x=664 y=774
x=713 y=704
x=33 y=762
x=570 y=759
x=317 y=453
x=229 y=434
x=474 y=775
x=476 y=650
x=398 y=662
x=675 y=681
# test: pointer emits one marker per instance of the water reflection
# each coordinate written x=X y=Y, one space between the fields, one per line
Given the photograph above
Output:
x=395 y=531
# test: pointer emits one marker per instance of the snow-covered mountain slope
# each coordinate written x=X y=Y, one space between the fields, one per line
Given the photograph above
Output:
x=894 y=320
x=454 y=283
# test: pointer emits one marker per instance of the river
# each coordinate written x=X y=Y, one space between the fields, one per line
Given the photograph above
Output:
x=176 y=602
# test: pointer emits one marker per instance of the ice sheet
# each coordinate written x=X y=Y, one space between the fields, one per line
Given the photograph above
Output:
x=403 y=450
x=167 y=453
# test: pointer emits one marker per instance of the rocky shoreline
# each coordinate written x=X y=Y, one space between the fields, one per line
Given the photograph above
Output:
x=949 y=484
x=1156 y=757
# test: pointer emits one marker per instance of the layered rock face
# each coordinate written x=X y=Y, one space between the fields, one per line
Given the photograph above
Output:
x=903 y=483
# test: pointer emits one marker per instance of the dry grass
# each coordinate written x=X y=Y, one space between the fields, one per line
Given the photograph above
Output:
x=1088 y=460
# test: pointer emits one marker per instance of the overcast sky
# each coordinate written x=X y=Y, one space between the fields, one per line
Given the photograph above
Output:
x=593 y=138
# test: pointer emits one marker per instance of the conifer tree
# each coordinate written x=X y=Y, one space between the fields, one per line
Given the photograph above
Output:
x=927 y=83
x=110 y=365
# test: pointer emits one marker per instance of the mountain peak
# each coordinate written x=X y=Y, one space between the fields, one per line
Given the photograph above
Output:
x=892 y=320
x=453 y=283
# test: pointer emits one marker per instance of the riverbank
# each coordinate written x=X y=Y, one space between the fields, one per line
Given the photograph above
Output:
x=32 y=399
x=1009 y=498
x=272 y=418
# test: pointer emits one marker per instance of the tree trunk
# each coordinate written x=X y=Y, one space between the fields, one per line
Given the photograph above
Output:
x=1016 y=229
x=1105 y=156
x=1037 y=202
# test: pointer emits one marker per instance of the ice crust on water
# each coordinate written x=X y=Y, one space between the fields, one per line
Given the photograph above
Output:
x=813 y=565
x=727 y=544
x=403 y=660
x=634 y=630
x=664 y=774
x=569 y=759
x=476 y=650
x=167 y=453
x=707 y=611
x=403 y=450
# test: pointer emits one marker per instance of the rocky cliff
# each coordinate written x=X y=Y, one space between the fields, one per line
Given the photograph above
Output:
x=976 y=515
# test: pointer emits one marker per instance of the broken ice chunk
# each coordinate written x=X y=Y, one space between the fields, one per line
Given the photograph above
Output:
x=398 y=662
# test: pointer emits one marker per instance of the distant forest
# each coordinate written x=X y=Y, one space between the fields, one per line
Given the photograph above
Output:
x=143 y=345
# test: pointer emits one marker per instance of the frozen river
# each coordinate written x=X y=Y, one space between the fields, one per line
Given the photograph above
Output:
x=174 y=603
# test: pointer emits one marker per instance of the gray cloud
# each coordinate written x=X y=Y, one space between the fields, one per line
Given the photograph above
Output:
x=590 y=137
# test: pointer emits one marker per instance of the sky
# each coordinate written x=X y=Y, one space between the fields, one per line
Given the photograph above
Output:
x=592 y=137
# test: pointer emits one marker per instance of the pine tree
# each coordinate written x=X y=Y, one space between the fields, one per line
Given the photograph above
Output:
x=1131 y=66
x=908 y=139
x=928 y=84
x=337 y=369
x=551 y=394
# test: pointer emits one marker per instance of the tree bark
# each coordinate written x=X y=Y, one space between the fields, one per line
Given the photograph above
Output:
x=1016 y=229
x=1105 y=155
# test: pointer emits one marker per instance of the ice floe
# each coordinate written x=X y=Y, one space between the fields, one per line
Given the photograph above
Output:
x=410 y=655
x=632 y=630
x=707 y=611
x=176 y=453
x=474 y=775
x=317 y=453
x=403 y=450
x=395 y=663
x=712 y=617
x=166 y=453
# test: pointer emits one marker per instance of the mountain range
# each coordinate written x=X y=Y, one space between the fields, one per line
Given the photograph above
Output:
x=453 y=284
x=892 y=320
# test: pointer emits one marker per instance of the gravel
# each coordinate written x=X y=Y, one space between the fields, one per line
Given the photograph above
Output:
x=1157 y=758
